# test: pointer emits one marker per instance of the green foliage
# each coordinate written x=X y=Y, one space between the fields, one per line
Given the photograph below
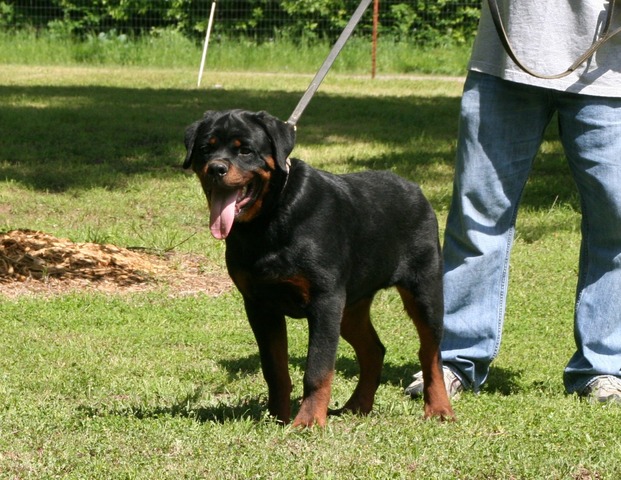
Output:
x=433 y=21
x=260 y=20
x=6 y=15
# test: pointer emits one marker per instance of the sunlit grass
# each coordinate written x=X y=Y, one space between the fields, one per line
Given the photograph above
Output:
x=151 y=385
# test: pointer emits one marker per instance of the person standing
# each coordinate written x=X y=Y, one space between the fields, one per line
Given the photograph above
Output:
x=504 y=113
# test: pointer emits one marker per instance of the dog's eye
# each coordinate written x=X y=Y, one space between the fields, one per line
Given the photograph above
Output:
x=210 y=145
x=244 y=151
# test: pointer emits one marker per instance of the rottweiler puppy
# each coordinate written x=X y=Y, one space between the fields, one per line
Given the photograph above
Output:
x=305 y=243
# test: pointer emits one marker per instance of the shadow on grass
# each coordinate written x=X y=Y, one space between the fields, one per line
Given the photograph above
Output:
x=346 y=367
x=57 y=138
x=501 y=381
x=252 y=409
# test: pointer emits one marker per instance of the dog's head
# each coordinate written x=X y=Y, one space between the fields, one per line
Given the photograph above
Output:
x=237 y=156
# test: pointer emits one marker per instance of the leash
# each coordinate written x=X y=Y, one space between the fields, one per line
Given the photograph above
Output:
x=504 y=39
x=320 y=75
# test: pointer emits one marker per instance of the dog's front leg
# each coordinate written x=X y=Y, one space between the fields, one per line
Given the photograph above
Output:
x=324 y=330
x=270 y=331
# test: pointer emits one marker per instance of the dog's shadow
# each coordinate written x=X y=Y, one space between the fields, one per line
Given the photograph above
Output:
x=253 y=409
x=502 y=381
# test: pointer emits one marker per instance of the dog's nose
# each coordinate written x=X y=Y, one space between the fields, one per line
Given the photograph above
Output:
x=217 y=169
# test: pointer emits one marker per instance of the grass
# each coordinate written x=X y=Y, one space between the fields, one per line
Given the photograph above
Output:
x=170 y=49
x=156 y=386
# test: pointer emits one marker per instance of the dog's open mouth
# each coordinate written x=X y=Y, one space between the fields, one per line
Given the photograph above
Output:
x=226 y=204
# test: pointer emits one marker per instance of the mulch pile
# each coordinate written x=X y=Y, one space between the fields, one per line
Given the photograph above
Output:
x=35 y=262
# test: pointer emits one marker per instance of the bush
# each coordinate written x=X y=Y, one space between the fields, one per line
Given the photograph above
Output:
x=424 y=21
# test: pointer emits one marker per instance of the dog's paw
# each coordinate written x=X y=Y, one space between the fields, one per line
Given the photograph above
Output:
x=443 y=413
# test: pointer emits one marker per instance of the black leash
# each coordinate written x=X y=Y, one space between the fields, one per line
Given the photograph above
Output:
x=504 y=39
x=320 y=75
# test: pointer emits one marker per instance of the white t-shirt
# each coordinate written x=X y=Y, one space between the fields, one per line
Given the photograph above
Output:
x=547 y=37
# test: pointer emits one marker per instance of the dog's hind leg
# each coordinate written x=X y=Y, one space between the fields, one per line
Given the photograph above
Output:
x=270 y=332
x=357 y=330
x=434 y=392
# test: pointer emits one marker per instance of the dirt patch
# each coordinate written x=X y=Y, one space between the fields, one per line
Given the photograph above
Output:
x=38 y=263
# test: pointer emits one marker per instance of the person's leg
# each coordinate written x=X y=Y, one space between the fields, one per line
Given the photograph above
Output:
x=591 y=133
x=500 y=131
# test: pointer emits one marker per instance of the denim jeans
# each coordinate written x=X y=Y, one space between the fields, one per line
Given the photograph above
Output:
x=500 y=131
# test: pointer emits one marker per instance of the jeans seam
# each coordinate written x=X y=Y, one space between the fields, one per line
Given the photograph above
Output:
x=502 y=304
x=584 y=260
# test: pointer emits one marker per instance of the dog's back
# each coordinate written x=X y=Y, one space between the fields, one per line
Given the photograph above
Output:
x=374 y=226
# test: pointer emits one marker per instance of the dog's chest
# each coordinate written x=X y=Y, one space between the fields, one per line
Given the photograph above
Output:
x=287 y=294
x=270 y=279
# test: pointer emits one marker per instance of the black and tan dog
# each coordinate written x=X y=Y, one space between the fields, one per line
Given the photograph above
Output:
x=308 y=244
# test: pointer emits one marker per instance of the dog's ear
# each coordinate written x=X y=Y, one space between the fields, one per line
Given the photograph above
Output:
x=190 y=139
x=282 y=136
x=191 y=134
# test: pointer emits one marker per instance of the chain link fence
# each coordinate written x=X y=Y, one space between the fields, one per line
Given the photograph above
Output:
x=422 y=21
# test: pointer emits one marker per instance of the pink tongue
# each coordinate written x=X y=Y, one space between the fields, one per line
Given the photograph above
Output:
x=222 y=213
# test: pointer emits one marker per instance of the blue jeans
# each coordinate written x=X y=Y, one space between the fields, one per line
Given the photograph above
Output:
x=501 y=129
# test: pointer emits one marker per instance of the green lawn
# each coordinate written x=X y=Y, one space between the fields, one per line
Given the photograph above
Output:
x=161 y=385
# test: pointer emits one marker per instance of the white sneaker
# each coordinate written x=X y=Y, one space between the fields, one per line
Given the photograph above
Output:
x=451 y=381
x=603 y=389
